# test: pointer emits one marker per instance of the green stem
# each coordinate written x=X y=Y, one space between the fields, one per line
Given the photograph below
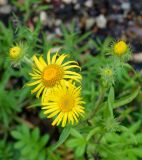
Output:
x=98 y=103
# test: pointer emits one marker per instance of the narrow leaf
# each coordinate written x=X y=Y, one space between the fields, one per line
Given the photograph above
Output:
x=64 y=135
x=127 y=99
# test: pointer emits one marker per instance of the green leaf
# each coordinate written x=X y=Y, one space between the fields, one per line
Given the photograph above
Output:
x=134 y=128
x=36 y=134
x=111 y=101
x=64 y=135
x=137 y=152
x=75 y=133
x=28 y=140
x=41 y=8
x=126 y=130
x=16 y=135
x=92 y=133
x=127 y=99
x=44 y=140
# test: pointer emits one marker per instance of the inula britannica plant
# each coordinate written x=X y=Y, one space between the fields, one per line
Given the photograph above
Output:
x=88 y=100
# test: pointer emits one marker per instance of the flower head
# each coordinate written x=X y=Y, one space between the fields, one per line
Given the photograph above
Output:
x=64 y=103
x=15 y=52
x=107 y=72
x=48 y=74
x=107 y=75
x=18 y=52
x=120 y=48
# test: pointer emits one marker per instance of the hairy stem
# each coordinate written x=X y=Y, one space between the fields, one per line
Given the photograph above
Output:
x=98 y=103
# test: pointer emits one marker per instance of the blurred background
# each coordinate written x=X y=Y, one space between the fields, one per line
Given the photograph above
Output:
x=116 y=18
x=121 y=19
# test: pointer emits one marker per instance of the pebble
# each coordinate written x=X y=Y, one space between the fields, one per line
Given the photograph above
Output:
x=89 y=3
x=6 y=9
x=74 y=1
x=43 y=17
x=90 y=22
x=125 y=6
x=58 y=22
x=137 y=58
x=58 y=31
x=135 y=32
x=101 y=21
x=3 y=2
x=77 y=6
x=67 y=1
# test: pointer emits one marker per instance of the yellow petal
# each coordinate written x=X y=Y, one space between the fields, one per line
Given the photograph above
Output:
x=36 y=89
x=42 y=61
x=33 y=83
x=74 y=116
x=54 y=58
x=38 y=64
x=61 y=59
x=73 y=73
x=59 y=118
x=69 y=62
x=54 y=114
x=80 y=110
x=71 y=66
x=73 y=78
x=44 y=95
x=39 y=92
x=48 y=57
x=51 y=110
x=36 y=71
x=64 y=119
x=70 y=117
x=76 y=112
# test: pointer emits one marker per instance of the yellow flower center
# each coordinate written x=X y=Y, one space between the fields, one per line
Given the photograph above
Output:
x=15 y=52
x=52 y=74
x=120 y=48
x=66 y=103
x=108 y=72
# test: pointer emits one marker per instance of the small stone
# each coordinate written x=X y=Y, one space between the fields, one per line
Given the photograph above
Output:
x=50 y=22
x=135 y=32
x=101 y=21
x=43 y=17
x=3 y=2
x=58 y=22
x=5 y=9
x=137 y=58
x=58 y=31
x=50 y=36
x=67 y=1
x=74 y=1
x=77 y=6
x=125 y=6
x=89 y=3
x=90 y=22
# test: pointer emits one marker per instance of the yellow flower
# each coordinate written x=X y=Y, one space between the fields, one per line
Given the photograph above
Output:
x=120 y=48
x=48 y=75
x=64 y=103
x=15 y=52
